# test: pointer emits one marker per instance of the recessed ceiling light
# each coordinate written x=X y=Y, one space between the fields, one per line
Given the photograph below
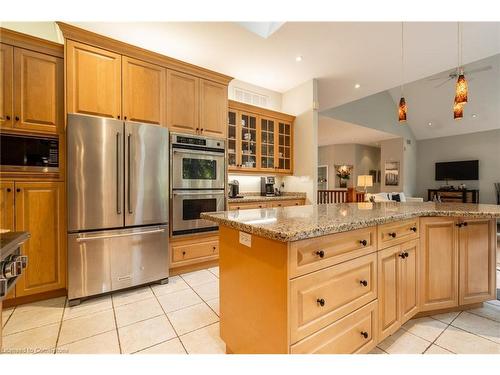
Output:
x=474 y=115
x=357 y=86
x=430 y=124
x=298 y=58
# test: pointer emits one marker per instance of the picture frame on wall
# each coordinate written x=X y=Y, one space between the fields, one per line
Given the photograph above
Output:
x=391 y=173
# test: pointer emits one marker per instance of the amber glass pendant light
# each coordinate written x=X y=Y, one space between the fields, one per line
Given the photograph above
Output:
x=402 y=108
x=461 y=87
x=458 y=111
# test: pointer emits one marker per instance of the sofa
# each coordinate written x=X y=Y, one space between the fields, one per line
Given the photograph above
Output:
x=387 y=197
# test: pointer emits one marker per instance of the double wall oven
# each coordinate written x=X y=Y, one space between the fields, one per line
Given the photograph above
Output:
x=198 y=171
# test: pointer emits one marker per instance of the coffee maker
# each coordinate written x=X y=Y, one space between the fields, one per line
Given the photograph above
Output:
x=234 y=189
x=267 y=186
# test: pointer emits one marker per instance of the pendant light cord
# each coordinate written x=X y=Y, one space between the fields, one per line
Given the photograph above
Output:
x=459 y=48
x=402 y=57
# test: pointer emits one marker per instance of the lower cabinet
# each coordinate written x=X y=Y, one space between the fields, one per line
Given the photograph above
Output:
x=38 y=208
x=194 y=249
x=266 y=204
x=398 y=286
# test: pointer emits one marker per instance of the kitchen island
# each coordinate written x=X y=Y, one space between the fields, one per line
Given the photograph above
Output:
x=340 y=278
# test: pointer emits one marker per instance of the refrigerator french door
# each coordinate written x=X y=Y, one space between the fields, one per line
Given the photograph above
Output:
x=117 y=175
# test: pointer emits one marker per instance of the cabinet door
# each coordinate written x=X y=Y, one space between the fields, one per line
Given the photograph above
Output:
x=6 y=86
x=183 y=102
x=389 y=284
x=477 y=261
x=267 y=135
x=213 y=109
x=248 y=141
x=283 y=148
x=40 y=211
x=438 y=263
x=232 y=139
x=7 y=205
x=144 y=87
x=410 y=280
x=38 y=91
x=93 y=80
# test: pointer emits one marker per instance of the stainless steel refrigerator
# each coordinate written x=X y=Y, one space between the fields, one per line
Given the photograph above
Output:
x=117 y=186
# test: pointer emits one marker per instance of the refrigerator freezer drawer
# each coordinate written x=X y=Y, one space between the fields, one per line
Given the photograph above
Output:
x=105 y=261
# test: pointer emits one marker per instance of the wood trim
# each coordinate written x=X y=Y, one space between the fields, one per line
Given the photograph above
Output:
x=84 y=36
x=447 y=310
x=193 y=267
x=34 y=298
x=33 y=43
x=259 y=111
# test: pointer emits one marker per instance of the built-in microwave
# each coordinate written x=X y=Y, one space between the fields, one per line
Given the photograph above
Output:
x=29 y=153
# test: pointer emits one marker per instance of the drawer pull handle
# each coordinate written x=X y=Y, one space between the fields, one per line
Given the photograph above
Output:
x=320 y=253
x=214 y=248
x=402 y=255
x=183 y=253
x=321 y=302
x=465 y=224
x=406 y=254
x=363 y=242
x=414 y=229
x=364 y=334
x=364 y=282
x=392 y=234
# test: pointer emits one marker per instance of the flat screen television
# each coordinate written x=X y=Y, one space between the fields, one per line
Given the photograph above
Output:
x=457 y=170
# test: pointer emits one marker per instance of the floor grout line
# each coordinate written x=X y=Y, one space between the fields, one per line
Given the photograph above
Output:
x=60 y=327
x=116 y=324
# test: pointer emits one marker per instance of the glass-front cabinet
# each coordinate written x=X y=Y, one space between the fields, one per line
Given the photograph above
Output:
x=258 y=139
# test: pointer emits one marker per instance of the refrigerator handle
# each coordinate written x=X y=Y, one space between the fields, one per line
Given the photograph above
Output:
x=118 y=175
x=129 y=203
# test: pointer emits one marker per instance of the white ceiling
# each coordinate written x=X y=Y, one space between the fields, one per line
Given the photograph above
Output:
x=332 y=132
x=428 y=103
x=338 y=54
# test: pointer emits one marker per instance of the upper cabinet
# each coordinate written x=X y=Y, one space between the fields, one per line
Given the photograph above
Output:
x=213 y=108
x=144 y=87
x=32 y=90
x=109 y=78
x=183 y=92
x=93 y=80
x=259 y=140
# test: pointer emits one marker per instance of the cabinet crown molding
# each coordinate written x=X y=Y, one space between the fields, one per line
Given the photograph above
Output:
x=84 y=36
x=260 y=111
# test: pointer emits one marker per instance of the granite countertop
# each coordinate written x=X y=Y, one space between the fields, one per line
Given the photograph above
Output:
x=301 y=222
x=253 y=197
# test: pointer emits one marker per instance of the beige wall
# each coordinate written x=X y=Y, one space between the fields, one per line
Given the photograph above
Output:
x=274 y=97
x=44 y=30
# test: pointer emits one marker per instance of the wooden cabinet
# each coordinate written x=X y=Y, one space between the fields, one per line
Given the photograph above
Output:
x=477 y=242
x=259 y=140
x=183 y=102
x=247 y=206
x=439 y=263
x=93 y=80
x=213 y=109
x=32 y=90
x=398 y=286
x=39 y=209
x=266 y=204
x=7 y=205
x=6 y=86
x=143 y=91
x=398 y=232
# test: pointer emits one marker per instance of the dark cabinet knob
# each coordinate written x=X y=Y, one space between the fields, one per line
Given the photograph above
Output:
x=392 y=234
x=183 y=253
x=414 y=229
x=459 y=225
x=201 y=130
x=320 y=253
x=321 y=302
x=125 y=117
x=364 y=334
x=363 y=242
x=214 y=248
x=465 y=224
x=17 y=118
x=402 y=255
x=8 y=190
x=364 y=282
x=406 y=254
x=18 y=190
x=118 y=117
x=8 y=117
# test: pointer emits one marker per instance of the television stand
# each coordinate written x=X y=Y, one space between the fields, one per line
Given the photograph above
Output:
x=454 y=196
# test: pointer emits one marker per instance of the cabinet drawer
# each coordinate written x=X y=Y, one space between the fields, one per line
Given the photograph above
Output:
x=247 y=206
x=322 y=297
x=288 y=202
x=355 y=333
x=313 y=254
x=395 y=233
x=194 y=251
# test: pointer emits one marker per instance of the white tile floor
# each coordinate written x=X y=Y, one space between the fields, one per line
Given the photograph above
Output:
x=182 y=317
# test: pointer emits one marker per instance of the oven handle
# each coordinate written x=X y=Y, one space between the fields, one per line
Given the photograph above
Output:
x=83 y=239
x=199 y=193
x=197 y=152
